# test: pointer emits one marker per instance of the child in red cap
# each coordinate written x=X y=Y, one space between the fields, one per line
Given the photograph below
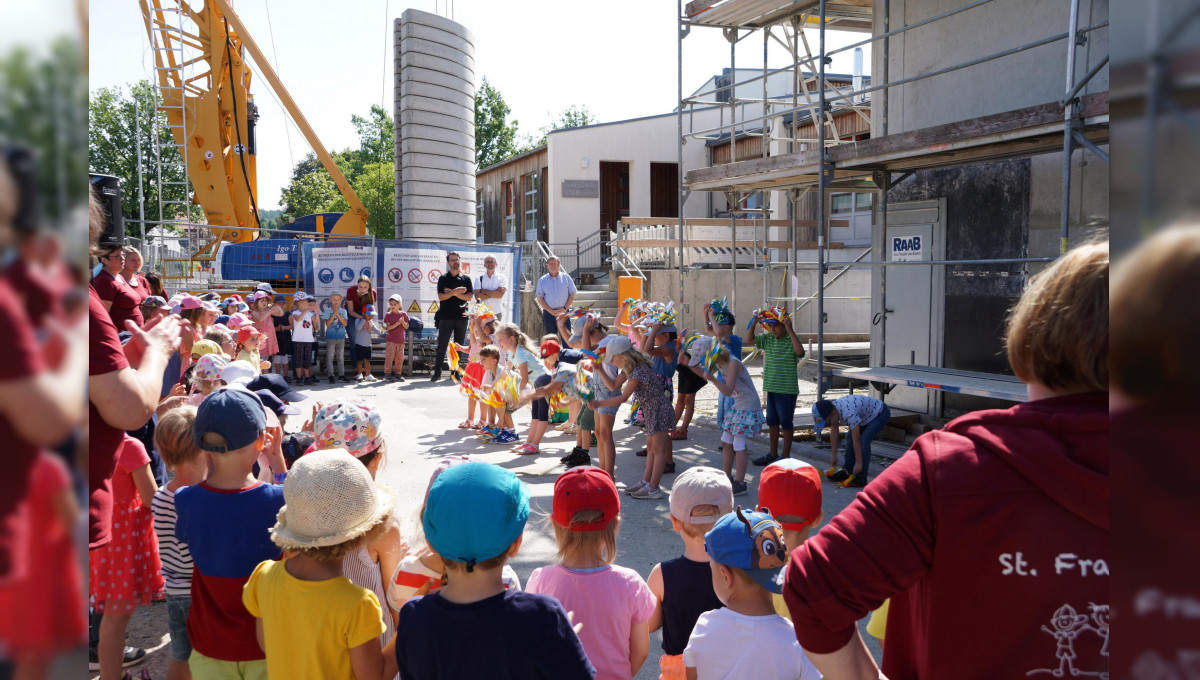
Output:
x=790 y=491
x=613 y=603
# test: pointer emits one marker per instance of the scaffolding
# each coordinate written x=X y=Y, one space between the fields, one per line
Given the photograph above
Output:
x=1075 y=121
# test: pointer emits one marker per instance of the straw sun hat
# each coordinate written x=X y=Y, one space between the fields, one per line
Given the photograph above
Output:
x=330 y=499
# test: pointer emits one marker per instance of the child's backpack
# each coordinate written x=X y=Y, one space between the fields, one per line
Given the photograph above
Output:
x=415 y=326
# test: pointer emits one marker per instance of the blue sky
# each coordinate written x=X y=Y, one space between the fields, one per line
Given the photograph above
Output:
x=618 y=58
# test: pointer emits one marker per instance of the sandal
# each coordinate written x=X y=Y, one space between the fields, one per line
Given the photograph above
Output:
x=466 y=425
x=527 y=450
x=641 y=454
x=677 y=434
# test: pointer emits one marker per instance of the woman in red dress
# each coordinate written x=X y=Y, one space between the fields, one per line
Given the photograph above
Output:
x=118 y=298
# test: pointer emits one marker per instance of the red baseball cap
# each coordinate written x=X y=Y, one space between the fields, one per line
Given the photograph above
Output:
x=585 y=488
x=550 y=347
x=247 y=332
x=790 y=487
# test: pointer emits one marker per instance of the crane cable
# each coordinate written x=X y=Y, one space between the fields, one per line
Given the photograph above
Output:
x=238 y=126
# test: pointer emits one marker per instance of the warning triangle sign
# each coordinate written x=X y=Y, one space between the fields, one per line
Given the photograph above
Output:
x=433 y=307
x=414 y=308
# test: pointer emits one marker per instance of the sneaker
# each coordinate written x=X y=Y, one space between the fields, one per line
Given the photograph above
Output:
x=133 y=656
x=576 y=458
x=332 y=380
x=571 y=429
x=647 y=493
x=840 y=476
x=343 y=378
x=358 y=377
x=765 y=459
x=435 y=377
x=669 y=468
x=740 y=489
x=573 y=452
x=371 y=377
x=855 y=481
x=636 y=487
x=506 y=437
x=562 y=427
x=400 y=377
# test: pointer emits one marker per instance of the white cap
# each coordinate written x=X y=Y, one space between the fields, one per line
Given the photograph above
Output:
x=396 y=297
x=238 y=372
x=300 y=295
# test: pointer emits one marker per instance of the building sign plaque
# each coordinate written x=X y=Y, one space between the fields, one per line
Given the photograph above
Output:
x=581 y=188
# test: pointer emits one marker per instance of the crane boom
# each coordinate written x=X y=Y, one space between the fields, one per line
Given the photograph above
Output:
x=211 y=114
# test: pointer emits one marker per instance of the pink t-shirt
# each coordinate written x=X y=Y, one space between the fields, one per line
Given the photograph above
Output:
x=608 y=602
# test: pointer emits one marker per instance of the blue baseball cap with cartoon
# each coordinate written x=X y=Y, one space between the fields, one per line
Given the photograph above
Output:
x=751 y=541
x=820 y=414
x=474 y=512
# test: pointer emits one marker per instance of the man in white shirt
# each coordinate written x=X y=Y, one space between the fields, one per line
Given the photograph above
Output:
x=491 y=285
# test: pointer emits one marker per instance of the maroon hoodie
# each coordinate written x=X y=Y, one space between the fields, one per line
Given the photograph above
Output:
x=991 y=539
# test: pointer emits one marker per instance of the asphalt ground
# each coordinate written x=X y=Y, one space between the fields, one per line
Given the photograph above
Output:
x=419 y=421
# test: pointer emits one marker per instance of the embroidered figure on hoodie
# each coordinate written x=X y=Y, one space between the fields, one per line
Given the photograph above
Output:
x=1100 y=618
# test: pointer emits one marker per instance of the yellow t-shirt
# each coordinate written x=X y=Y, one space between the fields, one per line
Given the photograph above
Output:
x=878 y=623
x=309 y=627
x=251 y=357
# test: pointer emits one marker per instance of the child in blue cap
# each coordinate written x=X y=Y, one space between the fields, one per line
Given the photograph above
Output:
x=473 y=627
x=746 y=638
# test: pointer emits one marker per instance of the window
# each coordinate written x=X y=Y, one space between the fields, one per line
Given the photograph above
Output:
x=841 y=203
x=855 y=209
x=479 y=216
x=510 y=208
x=623 y=191
x=529 y=186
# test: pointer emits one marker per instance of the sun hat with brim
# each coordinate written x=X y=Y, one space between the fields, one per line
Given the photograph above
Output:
x=329 y=499
x=209 y=306
x=209 y=367
x=266 y=288
x=474 y=512
x=238 y=372
x=205 y=347
x=348 y=425
x=300 y=295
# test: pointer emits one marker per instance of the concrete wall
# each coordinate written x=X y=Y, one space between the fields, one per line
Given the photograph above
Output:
x=1028 y=78
x=639 y=142
x=701 y=286
x=435 y=129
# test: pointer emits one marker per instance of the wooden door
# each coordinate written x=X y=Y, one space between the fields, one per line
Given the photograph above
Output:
x=614 y=196
x=664 y=190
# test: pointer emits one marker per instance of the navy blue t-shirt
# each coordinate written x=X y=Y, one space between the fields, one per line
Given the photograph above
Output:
x=511 y=636
x=570 y=356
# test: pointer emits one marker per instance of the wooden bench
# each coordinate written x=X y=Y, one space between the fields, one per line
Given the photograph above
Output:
x=953 y=380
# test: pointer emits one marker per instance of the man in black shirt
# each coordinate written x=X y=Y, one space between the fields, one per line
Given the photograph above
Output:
x=454 y=292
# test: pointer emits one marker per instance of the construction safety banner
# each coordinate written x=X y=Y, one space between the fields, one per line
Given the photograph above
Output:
x=335 y=270
x=413 y=272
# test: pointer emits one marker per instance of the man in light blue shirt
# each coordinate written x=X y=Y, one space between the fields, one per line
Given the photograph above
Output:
x=555 y=291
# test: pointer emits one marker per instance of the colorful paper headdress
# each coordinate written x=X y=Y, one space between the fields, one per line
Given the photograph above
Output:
x=769 y=315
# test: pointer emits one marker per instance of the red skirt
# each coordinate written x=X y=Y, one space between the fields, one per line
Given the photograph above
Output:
x=127 y=573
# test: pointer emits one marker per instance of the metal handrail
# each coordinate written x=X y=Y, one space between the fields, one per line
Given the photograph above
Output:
x=623 y=259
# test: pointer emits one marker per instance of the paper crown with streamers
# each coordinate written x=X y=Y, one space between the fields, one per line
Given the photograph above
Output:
x=769 y=315
x=686 y=340
x=484 y=314
x=721 y=311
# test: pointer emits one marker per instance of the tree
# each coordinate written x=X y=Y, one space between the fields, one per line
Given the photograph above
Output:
x=571 y=117
x=39 y=109
x=376 y=136
x=312 y=193
x=376 y=188
x=495 y=137
x=115 y=121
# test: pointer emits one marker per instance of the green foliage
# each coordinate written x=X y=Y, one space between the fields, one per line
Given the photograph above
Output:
x=571 y=117
x=495 y=137
x=376 y=136
x=39 y=98
x=376 y=188
x=116 y=120
x=312 y=193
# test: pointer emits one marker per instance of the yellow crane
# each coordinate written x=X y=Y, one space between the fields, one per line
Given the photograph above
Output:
x=204 y=81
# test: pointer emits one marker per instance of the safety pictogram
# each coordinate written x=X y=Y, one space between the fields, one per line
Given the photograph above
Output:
x=414 y=308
